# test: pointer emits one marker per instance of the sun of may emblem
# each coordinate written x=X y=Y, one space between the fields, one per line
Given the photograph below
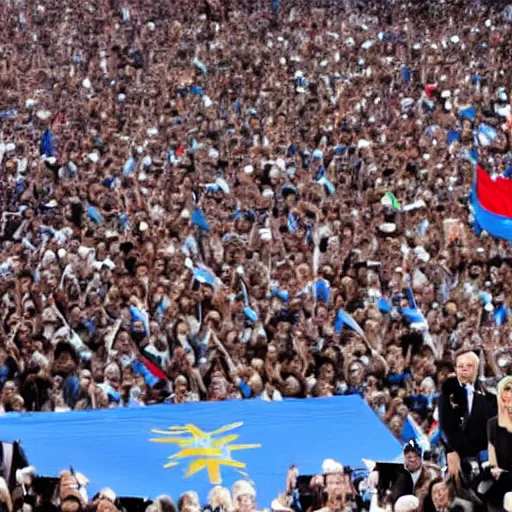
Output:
x=204 y=450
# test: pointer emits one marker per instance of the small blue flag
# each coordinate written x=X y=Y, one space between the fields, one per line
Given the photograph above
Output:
x=94 y=214
x=413 y=314
x=412 y=431
x=6 y=114
x=250 y=314
x=486 y=134
x=47 y=146
x=406 y=73
x=204 y=275
x=500 y=315
x=384 y=305
x=197 y=90
x=138 y=315
x=468 y=113
x=129 y=166
x=280 y=294
x=343 y=318
x=453 y=136
x=293 y=225
x=199 y=220
x=322 y=290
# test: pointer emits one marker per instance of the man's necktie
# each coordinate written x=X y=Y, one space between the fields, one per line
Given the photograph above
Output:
x=469 y=396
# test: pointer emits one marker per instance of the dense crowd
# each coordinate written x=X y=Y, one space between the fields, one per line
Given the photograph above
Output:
x=237 y=199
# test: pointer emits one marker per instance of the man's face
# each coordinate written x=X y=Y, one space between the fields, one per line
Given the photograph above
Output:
x=466 y=368
x=440 y=495
x=412 y=461
x=123 y=343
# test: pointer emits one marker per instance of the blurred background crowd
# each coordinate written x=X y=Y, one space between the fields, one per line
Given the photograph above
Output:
x=235 y=199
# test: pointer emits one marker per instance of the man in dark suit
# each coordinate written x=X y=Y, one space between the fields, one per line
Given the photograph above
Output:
x=415 y=477
x=12 y=458
x=464 y=409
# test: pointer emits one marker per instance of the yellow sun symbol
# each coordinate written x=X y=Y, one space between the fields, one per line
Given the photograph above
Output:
x=207 y=451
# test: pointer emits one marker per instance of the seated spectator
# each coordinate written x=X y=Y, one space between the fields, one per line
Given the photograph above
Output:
x=441 y=496
x=415 y=477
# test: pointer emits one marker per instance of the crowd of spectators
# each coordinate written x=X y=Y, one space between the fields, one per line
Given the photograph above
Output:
x=230 y=199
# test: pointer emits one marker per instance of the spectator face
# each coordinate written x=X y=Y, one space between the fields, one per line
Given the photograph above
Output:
x=441 y=495
x=123 y=343
x=245 y=503
x=323 y=389
x=18 y=404
x=272 y=353
x=65 y=363
x=395 y=426
x=506 y=396
x=189 y=502
x=24 y=334
x=412 y=462
x=335 y=484
x=180 y=386
x=218 y=389
x=295 y=364
x=355 y=374
x=85 y=379
x=327 y=373
x=8 y=391
x=97 y=371
x=466 y=368
x=442 y=375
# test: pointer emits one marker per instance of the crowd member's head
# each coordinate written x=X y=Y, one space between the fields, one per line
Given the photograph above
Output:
x=507 y=502
x=244 y=496
x=189 y=502
x=466 y=366
x=71 y=500
x=505 y=403
x=219 y=498
x=412 y=456
x=408 y=503
x=162 y=503
x=440 y=495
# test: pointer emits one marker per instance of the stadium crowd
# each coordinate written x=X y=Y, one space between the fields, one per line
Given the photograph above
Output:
x=231 y=199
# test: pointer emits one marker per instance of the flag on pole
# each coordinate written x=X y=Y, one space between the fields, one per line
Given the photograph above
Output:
x=411 y=430
x=343 y=318
x=491 y=200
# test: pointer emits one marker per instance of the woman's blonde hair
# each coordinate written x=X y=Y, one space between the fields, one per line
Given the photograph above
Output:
x=220 y=497
x=504 y=419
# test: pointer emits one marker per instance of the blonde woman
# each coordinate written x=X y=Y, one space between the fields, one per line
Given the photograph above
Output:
x=219 y=499
x=244 y=496
x=499 y=433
